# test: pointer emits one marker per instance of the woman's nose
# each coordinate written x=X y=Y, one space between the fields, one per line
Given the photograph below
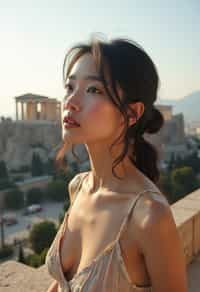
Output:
x=71 y=103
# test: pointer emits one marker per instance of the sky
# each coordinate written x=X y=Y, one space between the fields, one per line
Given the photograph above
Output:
x=36 y=34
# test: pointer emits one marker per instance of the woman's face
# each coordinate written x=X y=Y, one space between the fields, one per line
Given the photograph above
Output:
x=88 y=103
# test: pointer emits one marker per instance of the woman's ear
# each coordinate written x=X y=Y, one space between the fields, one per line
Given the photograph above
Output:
x=135 y=111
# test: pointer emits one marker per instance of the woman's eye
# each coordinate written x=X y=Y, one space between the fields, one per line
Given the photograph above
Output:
x=68 y=88
x=93 y=89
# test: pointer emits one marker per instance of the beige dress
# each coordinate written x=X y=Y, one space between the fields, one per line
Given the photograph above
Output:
x=106 y=273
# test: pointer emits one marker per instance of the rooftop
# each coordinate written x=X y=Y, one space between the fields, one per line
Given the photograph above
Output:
x=33 y=97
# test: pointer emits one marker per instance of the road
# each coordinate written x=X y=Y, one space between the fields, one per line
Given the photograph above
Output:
x=51 y=211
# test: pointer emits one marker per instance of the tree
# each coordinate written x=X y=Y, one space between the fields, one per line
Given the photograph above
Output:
x=33 y=260
x=3 y=170
x=2 y=233
x=165 y=185
x=6 y=251
x=42 y=235
x=36 y=165
x=34 y=196
x=57 y=190
x=171 y=163
x=21 y=257
x=4 y=178
x=49 y=167
x=64 y=175
x=5 y=183
x=184 y=182
x=36 y=260
x=191 y=160
x=14 y=199
x=43 y=255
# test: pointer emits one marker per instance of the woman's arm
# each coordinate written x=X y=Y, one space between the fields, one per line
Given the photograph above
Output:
x=53 y=287
x=163 y=251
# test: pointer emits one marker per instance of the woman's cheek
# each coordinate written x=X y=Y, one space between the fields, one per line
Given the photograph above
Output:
x=98 y=110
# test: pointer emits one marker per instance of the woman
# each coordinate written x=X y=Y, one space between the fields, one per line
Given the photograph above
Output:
x=120 y=234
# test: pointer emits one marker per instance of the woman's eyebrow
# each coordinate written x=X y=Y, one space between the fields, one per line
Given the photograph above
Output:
x=88 y=77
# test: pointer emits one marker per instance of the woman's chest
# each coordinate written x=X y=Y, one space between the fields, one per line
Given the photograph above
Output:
x=90 y=228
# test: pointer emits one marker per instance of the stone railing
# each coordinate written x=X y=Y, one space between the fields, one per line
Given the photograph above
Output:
x=186 y=213
x=18 y=277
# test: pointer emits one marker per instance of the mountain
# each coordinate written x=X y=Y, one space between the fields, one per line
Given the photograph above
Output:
x=188 y=105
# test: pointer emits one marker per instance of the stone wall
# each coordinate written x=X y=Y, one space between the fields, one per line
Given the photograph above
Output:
x=20 y=139
x=171 y=138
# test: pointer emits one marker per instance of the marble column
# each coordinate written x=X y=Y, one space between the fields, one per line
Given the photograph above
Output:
x=43 y=111
x=58 y=111
x=22 y=110
x=16 y=105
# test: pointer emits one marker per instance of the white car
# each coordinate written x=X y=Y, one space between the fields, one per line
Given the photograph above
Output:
x=9 y=219
x=32 y=209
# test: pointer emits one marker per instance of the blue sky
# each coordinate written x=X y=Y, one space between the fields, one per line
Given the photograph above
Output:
x=36 y=34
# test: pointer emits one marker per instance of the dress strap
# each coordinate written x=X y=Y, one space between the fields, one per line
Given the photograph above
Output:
x=64 y=223
x=82 y=177
x=132 y=206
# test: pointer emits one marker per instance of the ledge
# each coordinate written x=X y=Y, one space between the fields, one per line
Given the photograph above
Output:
x=15 y=276
x=186 y=213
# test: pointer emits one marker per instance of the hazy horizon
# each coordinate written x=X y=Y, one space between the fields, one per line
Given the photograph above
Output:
x=36 y=34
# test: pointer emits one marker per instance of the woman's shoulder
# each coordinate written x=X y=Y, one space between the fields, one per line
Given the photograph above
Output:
x=150 y=206
x=150 y=212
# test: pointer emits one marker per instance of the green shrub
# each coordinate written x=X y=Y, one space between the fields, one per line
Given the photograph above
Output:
x=36 y=260
x=18 y=178
x=184 y=181
x=34 y=196
x=23 y=168
x=21 y=257
x=43 y=255
x=6 y=251
x=37 y=167
x=42 y=235
x=3 y=169
x=57 y=190
x=33 y=260
x=5 y=183
x=14 y=199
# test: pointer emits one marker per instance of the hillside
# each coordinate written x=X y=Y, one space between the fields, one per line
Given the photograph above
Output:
x=188 y=105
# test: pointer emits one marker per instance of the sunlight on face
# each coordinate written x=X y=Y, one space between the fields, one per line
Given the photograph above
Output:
x=88 y=103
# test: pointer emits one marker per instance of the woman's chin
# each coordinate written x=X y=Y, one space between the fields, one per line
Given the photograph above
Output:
x=70 y=139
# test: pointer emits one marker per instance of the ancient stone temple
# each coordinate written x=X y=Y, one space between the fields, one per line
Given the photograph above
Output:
x=166 y=110
x=33 y=107
x=171 y=139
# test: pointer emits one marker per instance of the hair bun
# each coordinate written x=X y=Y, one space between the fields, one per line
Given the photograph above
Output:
x=155 y=123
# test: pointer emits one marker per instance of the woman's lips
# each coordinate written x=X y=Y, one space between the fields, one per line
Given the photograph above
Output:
x=69 y=122
x=67 y=125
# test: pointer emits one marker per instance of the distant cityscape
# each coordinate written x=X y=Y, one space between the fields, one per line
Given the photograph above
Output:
x=189 y=106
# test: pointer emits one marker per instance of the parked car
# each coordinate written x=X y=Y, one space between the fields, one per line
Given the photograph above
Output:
x=32 y=209
x=9 y=219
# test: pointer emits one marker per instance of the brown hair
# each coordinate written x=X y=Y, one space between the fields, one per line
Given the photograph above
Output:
x=132 y=69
